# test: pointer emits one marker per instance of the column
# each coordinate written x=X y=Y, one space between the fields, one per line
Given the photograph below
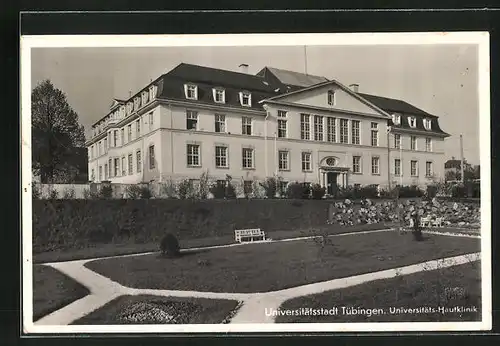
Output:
x=346 y=179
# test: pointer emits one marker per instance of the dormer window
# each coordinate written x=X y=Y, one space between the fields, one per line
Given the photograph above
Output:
x=191 y=91
x=137 y=103
x=152 y=92
x=427 y=124
x=219 y=95
x=144 y=97
x=331 y=97
x=412 y=121
x=396 y=119
x=246 y=98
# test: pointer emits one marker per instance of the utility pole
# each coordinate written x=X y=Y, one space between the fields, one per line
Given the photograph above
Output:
x=462 y=160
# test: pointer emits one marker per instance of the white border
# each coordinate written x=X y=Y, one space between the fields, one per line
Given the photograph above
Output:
x=479 y=38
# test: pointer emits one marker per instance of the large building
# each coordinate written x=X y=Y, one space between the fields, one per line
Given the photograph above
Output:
x=299 y=127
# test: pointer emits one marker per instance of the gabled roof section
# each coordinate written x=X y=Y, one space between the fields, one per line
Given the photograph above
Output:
x=330 y=82
x=394 y=105
x=116 y=103
x=292 y=78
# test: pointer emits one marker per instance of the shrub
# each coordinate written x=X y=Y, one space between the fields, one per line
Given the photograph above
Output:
x=369 y=191
x=432 y=191
x=186 y=189
x=297 y=190
x=53 y=194
x=169 y=189
x=133 y=191
x=218 y=190
x=203 y=186
x=318 y=191
x=145 y=192
x=410 y=191
x=106 y=191
x=69 y=193
x=169 y=246
x=458 y=191
x=271 y=186
x=36 y=192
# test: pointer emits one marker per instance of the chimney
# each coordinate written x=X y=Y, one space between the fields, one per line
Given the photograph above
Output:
x=354 y=87
x=243 y=68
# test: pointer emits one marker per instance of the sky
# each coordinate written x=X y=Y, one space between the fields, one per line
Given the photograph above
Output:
x=439 y=79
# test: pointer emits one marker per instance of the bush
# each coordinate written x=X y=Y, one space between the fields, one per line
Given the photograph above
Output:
x=53 y=194
x=203 y=186
x=271 y=186
x=36 y=193
x=145 y=192
x=169 y=189
x=133 y=191
x=169 y=246
x=432 y=191
x=69 y=193
x=106 y=192
x=458 y=191
x=186 y=189
x=298 y=191
x=410 y=191
x=318 y=191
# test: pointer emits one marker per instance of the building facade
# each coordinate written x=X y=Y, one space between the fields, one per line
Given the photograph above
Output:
x=277 y=123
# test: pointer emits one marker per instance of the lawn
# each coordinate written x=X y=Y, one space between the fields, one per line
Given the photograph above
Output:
x=115 y=249
x=458 y=286
x=272 y=266
x=53 y=290
x=146 y=309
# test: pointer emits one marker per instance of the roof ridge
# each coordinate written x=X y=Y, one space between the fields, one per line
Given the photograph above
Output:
x=306 y=74
x=218 y=69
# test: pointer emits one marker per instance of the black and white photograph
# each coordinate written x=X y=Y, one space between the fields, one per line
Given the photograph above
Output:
x=256 y=183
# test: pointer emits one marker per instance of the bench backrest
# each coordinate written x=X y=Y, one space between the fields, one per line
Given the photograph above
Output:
x=248 y=232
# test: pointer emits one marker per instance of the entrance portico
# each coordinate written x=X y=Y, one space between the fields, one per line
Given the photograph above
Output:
x=334 y=177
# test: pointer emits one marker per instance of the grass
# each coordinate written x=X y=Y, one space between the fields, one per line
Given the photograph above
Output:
x=115 y=249
x=53 y=290
x=447 y=287
x=146 y=309
x=272 y=266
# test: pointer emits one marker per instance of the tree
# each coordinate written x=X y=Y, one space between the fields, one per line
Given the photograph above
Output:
x=55 y=134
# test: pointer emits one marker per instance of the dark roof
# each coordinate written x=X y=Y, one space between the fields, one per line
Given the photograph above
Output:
x=292 y=78
x=394 y=105
x=171 y=85
x=452 y=164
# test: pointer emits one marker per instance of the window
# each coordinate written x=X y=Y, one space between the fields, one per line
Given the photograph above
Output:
x=375 y=165
x=193 y=155
x=331 y=130
x=115 y=138
x=247 y=155
x=344 y=131
x=412 y=121
x=374 y=134
x=138 y=161
x=247 y=187
x=138 y=128
x=396 y=119
x=397 y=141
x=110 y=167
x=130 y=164
x=397 y=167
x=283 y=160
x=306 y=161
x=221 y=157
x=282 y=124
x=98 y=148
x=355 y=131
x=92 y=176
x=427 y=124
x=117 y=167
x=191 y=120
x=220 y=123
x=105 y=171
x=356 y=164
x=246 y=98
x=100 y=173
x=219 y=95
x=428 y=144
x=129 y=130
x=123 y=167
x=318 y=128
x=305 y=127
x=413 y=168
x=152 y=163
x=151 y=121
x=413 y=143
x=331 y=98
x=191 y=91
x=428 y=169
x=105 y=144
x=246 y=126
x=90 y=152
x=122 y=136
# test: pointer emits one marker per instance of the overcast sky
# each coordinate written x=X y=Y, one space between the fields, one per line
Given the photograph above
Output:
x=440 y=79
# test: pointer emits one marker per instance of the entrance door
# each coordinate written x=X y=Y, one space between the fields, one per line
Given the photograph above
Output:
x=331 y=183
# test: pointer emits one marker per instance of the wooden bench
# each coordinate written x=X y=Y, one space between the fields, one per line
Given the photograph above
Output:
x=249 y=235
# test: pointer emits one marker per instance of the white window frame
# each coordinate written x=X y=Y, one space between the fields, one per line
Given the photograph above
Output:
x=318 y=128
x=130 y=164
x=138 y=127
x=246 y=126
x=396 y=119
x=151 y=157
x=193 y=154
x=116 y=170
x=356 y=132
x=283 y=160
x=305 y=126
x=331 y=99
x=100 y=173
x=428 y=144
x=331 y=129
x=397 y=167
x=413 y=142
x=220 y=120
x=412 y=121
x=124 y=167
x=414 y=174
x=282 y=124
x=191 y=91
x=306 y=161
x=428 y=168
x=219 y=92
x=129 y=132
x=428 y=124
x=247 y=162
x=356 y=162
x=377 y=165
x=246 y=96
x=344 y=131
x=138 y=159
x=192 y=117
x=397 y=141
x=221 y=156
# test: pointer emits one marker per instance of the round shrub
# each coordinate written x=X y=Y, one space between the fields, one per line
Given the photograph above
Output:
x=169 y=246
x=318 y=191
